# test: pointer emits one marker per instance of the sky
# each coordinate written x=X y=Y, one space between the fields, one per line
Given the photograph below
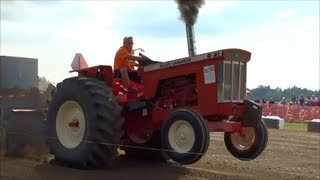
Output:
x=283 y=36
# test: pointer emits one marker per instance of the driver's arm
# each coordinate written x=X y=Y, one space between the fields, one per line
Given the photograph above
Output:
x=138 y=58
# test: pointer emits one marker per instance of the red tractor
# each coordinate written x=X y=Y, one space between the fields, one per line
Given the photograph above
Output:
x=168 y=116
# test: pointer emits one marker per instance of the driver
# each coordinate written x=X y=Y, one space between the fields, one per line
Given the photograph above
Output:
x=124 y=61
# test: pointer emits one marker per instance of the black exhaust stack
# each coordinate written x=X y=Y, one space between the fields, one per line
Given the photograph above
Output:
x=189 y=10
x=190 y=40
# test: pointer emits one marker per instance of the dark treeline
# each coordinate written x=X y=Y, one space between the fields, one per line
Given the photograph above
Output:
x=277 y=94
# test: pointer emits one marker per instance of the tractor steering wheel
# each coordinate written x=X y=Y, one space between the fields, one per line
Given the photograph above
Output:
x=139 y=49
x=146 y=60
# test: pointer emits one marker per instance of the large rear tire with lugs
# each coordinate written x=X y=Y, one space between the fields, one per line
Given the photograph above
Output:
x=84 y=124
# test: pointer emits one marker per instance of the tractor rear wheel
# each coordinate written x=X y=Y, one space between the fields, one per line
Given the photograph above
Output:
x=185 y=136
x=247 y=144
x=84 y=123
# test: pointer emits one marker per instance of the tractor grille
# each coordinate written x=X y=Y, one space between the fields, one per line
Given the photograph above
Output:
x=232 y=81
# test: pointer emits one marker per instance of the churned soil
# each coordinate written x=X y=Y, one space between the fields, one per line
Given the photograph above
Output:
x=288 y=155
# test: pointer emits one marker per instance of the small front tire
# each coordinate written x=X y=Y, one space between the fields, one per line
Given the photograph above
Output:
x=248 y=144
x=185 y=136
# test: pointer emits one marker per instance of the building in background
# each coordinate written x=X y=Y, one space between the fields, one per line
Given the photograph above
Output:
x=18 y=72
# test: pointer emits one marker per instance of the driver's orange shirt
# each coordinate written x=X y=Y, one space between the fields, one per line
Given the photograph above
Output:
x=120 y=59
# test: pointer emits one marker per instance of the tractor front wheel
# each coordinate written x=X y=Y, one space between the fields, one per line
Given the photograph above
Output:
x=185 y=136
x=247 y=144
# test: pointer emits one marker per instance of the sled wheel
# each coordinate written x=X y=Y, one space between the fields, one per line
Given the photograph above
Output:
x=3 y=132
x=84 y=124
x=185 y=136
x=3 y=140
x=247 y=144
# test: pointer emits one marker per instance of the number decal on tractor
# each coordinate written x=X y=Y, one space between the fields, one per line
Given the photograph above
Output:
x=213 y=54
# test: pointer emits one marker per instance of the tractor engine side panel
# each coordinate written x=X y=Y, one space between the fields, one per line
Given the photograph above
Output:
x=185 y=84
x=177 y=92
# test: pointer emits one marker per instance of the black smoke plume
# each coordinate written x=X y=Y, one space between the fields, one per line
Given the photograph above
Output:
x=189 y=10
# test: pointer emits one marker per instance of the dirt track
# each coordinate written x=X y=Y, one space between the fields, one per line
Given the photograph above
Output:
x=289 y=155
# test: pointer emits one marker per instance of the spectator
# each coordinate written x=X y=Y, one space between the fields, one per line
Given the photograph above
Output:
x=294 y=99
x=257 y=100
x=271 y=101
x=283 y=101
x=318 y=103
x=308 y=101
x=313 y=100
x=301 y=100
x=264 y=101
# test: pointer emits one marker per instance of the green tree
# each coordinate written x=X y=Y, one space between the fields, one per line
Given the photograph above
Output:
x=43 y=83
x=277 y=94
